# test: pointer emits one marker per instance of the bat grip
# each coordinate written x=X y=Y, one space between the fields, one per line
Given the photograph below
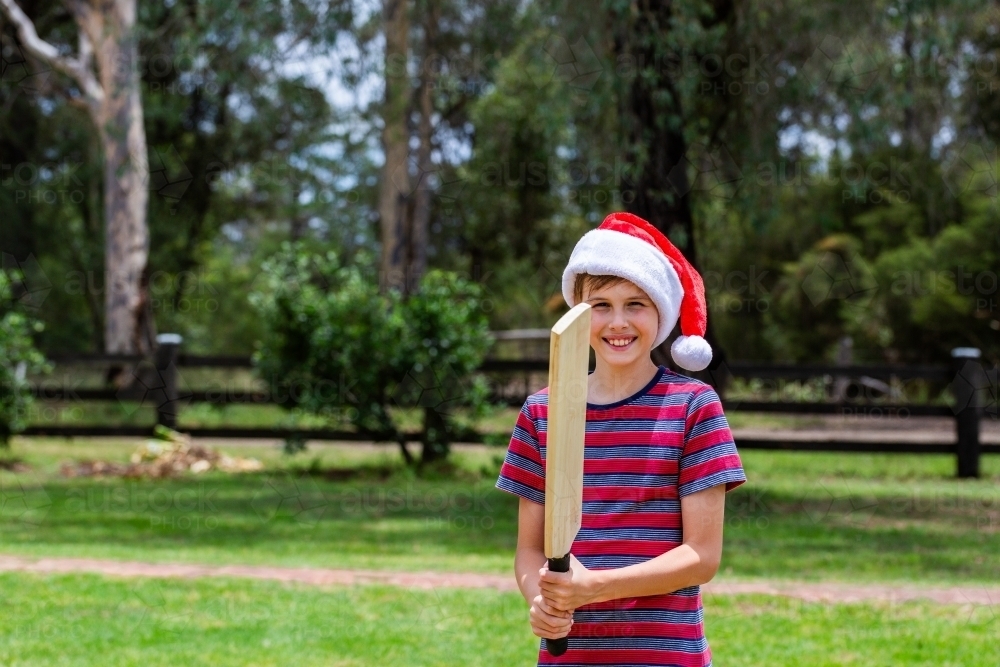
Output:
x=557 y=647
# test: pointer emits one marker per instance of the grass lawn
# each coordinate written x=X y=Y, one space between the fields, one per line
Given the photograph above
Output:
x=89 y=620
x=809 y=516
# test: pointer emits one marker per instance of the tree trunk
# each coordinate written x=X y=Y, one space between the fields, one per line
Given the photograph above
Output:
x=651 y=110
x=654 y=130
x=422 y=205
x=110 y=94
x=436 y=437
x=118 y=118
x=128 y=326
x=395 y=188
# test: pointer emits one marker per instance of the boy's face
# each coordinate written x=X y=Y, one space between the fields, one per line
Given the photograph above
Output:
x=621 y=313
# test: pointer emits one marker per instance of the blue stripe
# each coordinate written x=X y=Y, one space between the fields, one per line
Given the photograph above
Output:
x=525 y=464
x=639 y=616
x=509 y=485
x=638 y=534
x=658 y=505
x=655 y=452
x=721 y=477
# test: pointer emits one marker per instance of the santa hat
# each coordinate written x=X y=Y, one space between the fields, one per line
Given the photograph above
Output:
x=627 y=246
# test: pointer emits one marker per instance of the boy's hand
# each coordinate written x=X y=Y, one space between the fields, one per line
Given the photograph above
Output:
x=566 y=591
x=547 y=622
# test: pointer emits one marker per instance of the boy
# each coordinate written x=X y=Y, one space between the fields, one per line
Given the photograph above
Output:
x=659 y=458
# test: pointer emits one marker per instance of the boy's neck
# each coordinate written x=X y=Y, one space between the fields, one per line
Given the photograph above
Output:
x=610 y=384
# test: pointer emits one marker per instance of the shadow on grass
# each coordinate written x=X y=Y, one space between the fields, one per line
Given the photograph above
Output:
x=452 y=519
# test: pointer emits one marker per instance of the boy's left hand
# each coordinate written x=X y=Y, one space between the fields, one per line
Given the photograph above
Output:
x=567 y=591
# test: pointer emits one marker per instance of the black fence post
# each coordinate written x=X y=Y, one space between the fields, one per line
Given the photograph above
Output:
x=167 y=346
x=967 y=409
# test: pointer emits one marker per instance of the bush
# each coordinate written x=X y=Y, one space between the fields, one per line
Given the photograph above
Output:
x=336 y=347
x=18 y=357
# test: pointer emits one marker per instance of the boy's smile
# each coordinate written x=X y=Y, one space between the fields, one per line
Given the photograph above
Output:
x=624 y=322
x=619 y=343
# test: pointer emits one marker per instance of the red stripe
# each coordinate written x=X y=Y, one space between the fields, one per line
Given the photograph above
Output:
x=638 y=629
x=523 y=476
x=647 y=466
x=659 y=520
x=627 y=657
x=650 y=548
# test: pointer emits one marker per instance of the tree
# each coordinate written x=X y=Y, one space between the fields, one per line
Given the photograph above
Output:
x=238 y=132
x=105 y=73
x=394 y=192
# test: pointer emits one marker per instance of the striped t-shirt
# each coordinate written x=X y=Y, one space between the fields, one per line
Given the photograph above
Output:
x=641 y=456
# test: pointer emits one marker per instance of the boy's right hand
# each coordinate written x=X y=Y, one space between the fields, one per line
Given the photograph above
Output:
x=548 y=622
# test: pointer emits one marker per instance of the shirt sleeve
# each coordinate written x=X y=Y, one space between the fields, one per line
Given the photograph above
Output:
x=523 y=472
x=709 y=457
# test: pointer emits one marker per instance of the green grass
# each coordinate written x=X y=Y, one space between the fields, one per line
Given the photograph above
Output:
x=84 y=619
x=801 y=516
x=207 y=415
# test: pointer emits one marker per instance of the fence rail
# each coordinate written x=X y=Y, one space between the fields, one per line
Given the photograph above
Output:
x=168 y=358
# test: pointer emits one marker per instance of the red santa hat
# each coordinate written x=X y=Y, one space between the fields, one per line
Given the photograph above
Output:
x=627 y=246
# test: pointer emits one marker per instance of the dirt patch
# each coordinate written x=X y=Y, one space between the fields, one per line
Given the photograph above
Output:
x=810 y=592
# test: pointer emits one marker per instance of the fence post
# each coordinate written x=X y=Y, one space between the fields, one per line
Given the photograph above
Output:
x=167 y=346
x=967 y=411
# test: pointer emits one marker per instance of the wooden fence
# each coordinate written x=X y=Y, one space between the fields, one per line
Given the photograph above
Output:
x=162 y=392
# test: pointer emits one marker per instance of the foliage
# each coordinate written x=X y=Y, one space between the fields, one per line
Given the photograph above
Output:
x=18 y=357
x=334 y=345
x=232 y=127
x=868 y=126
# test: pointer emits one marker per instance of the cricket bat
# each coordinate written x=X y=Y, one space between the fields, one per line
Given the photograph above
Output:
x=569 y=355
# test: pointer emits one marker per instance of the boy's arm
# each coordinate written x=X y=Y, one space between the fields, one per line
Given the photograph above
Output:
x=529 y=560
x=530 y=555
x=692 y=563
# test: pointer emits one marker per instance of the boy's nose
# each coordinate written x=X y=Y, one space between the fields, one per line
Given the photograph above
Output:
x=619 y=320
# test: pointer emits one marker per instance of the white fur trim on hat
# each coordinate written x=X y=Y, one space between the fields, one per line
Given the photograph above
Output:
x=691 y=352
x=609 y=252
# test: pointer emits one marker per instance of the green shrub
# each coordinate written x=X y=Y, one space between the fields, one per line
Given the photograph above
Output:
x=335 y=346
x=18 y=357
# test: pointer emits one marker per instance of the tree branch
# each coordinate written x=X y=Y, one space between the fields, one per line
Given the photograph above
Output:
x=47 y=53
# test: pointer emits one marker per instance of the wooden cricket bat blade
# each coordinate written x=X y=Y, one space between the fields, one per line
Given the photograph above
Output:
x=569 y=354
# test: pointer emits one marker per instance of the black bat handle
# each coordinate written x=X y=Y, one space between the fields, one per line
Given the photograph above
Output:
x=558 y=646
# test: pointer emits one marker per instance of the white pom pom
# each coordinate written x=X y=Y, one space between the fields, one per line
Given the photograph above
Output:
x=691 y=352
